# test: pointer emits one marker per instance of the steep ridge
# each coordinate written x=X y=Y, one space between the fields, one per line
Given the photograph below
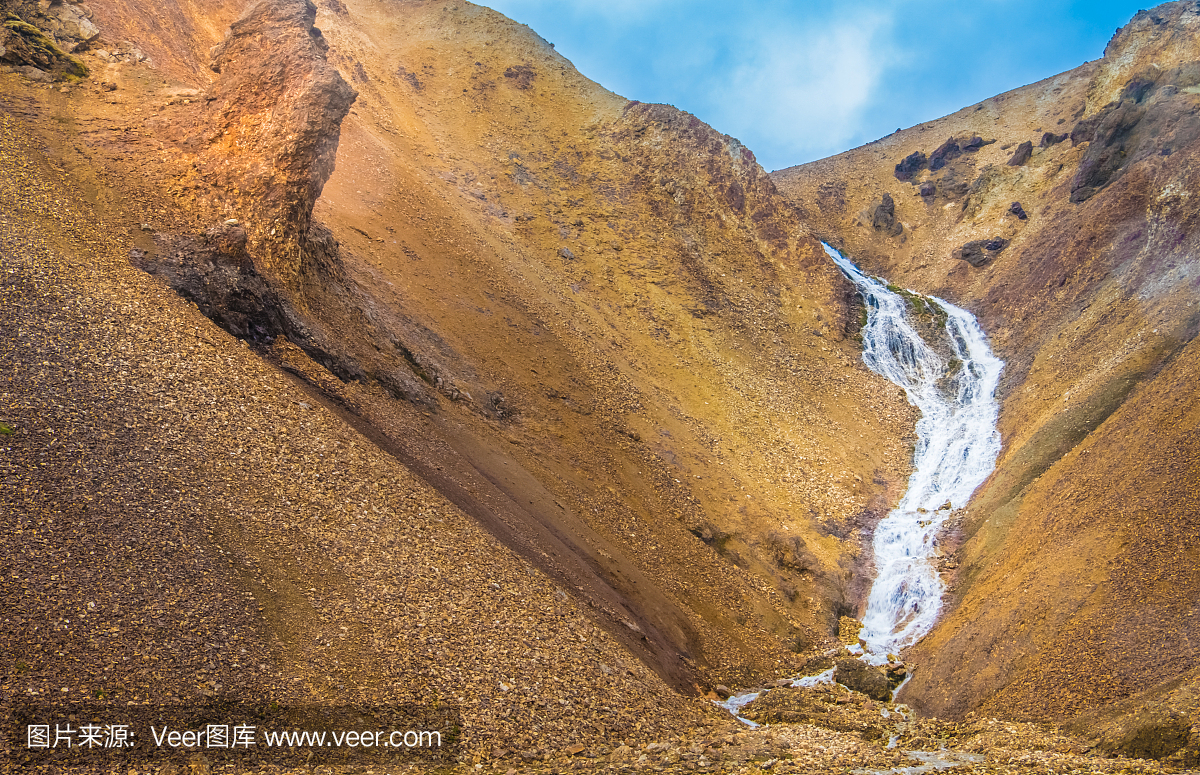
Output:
x=1062 y=214
x=599 y=331
x=186 y=522
x=629 y=268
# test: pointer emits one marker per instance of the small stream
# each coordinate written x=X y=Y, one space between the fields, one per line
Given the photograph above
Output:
x=953 y=383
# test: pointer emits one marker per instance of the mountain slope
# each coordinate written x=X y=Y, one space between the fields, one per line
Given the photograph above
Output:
x=1061 y=213
x=587 y=328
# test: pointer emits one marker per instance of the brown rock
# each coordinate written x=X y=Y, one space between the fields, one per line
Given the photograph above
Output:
x=861 y=677
x=1022 y=154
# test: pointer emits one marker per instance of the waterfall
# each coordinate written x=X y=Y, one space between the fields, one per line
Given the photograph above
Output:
x=957 y=446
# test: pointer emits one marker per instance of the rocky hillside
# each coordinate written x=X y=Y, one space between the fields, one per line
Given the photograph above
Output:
x=364 y=351
x=1063 y=214
x=440 y=370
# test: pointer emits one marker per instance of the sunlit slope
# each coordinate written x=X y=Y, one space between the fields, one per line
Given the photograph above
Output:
x=1086 y=281
x=613 y=300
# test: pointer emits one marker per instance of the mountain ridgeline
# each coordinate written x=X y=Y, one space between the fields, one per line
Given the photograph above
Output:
x=452 y=374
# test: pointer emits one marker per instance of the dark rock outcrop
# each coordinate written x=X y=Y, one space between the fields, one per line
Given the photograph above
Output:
x=979 y=252
x=1016 y=209
x=945 y=153
x=1021 y=156
x=1155 y=114
x=975 y=143
x=927 y=190
x=216 y=274
x=911 y=166
x=1049 y=139
x=883 y=217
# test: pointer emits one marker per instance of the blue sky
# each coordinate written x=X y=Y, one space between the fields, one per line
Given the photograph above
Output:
x=797 y=81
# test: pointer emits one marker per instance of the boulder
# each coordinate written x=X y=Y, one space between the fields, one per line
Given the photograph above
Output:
x=883 y=217
x=75 y=25
x=566 y=254
x=927 y=190
x=975 y=143
x=979 y=252
x=912 y=164
x=861 y=677
x=1022 y=154
x=1016 y=209
x=945 y=153
x=1049 y=139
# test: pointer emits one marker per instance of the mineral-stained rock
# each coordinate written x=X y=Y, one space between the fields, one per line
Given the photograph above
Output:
x=273 y=63
x=1022 y=154
x=861 y=677
x=908 y=168
x=848 y=629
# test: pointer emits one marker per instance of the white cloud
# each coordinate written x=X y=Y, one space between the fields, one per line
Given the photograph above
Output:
x=803 y=89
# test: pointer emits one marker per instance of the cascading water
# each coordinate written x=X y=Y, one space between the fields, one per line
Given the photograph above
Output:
x=957 y=445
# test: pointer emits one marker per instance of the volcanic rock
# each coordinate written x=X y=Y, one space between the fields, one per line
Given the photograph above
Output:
x=944 y=154
x=883 y=217
x=1021 y=156
x=979 y=252
x=910 y=166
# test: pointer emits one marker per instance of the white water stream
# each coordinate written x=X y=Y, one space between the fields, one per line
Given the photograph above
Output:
x=957 y=445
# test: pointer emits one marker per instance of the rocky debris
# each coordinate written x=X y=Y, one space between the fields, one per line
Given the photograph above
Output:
x=911 y=166
x=883 y=217
x=848 y=629
x=861 y=677
x=1016 y=209
x=979 y=252
x=34 y=74
x=1021 y=156
x=565 y=253
x=1161 y=722
x=944 y=154
x=1049 y=139
x=927 y=190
